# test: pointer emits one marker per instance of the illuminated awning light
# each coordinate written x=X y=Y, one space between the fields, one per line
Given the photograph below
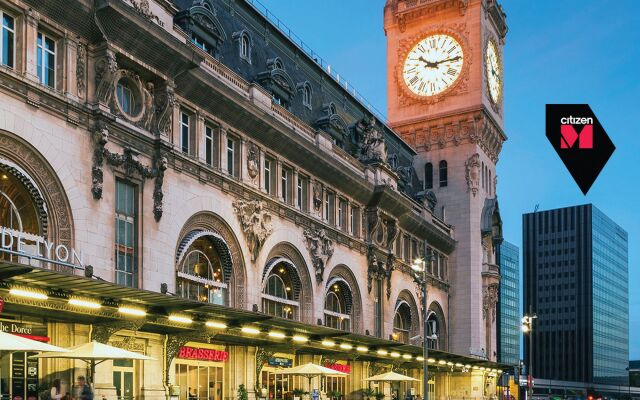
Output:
x=406 y=356
x=28 y=293
x=132 y=311
x=250 y=330
x=459 y=365
x=84 y=303
x=450 y=364
x=467 y=366
x=395 y=354
x=432 y=360
x=300 y=339
x=382 y=352
x=362 y=349
x=276 y=335
x=328 y=343
x=419 y=358
x=216 y=324
x=346 y=346
x=442 y=362
x=180 y=319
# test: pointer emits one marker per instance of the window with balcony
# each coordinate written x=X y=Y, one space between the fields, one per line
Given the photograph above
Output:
x=126 y=229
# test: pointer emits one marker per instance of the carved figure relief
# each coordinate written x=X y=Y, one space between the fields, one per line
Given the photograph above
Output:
x=472 y=166
x=372 y=147
x=253 y=160
x=106 y=68
x=165 y=100
x=255 y=220
x=317 y=196
x=320 y=249
x=489 y=301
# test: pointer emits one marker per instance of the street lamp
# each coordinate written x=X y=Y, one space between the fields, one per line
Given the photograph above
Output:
x=419 y=267
x=527 y=328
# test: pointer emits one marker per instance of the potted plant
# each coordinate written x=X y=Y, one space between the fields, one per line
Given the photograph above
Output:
x=368 y=393
x=297 y=394
x=242 y=393
x=379 y=396
x=334 y=394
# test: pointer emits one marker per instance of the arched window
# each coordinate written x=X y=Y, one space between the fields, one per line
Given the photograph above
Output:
x=443 y=173
x=281 y=290
x=19 y=210
x=201 y=274
x=277 y=63
x=402 y=323
x=490 y=184
x=428 y=176
x=306 y=95
x=337 y=305
x=245 y=47
x=432 y=331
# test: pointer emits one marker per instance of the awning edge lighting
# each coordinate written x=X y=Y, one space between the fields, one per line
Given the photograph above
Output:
x=28 y=293
x=84 y=303
x=132 y=311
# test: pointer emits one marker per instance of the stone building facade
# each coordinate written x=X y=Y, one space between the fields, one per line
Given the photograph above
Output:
x=187 y=161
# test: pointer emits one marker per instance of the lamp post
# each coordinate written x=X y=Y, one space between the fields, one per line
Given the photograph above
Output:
x=527 y=328
x=419 y=267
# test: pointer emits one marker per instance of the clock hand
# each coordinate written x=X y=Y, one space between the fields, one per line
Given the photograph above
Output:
x=429 y=63
x=456 y=58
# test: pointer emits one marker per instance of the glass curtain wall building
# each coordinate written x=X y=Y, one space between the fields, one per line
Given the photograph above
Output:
x=576 y=281
x=509 y=305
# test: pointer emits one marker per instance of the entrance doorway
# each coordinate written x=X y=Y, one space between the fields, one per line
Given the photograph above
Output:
x=123 y=379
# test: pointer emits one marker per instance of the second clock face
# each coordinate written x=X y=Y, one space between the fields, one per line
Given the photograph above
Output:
x=494 y=72
x=433 y=65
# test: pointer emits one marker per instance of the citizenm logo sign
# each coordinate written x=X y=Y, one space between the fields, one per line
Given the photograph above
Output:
x=569 y=136
x=580 y=140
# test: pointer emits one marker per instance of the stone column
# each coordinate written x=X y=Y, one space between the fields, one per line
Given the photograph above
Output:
x=198 y=132
x=70 y=81
x=294 y=185
x=30 y=43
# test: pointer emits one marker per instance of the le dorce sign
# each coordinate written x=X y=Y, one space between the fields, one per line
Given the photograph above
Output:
x=29 y=245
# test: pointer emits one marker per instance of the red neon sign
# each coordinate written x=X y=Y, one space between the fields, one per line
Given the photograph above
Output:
x=34 y=337
x=346 y=368
x=193 y=353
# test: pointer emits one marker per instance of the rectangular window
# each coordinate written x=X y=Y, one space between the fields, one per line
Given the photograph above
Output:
x=184 y=133
x=46 y=49
x=7 y=40
x=231 y=156
x=285 y=181
x=302 y=201
x=342 y=214
x=268 y=164
x=209 y=145
x=126 y=234
x=330 y=207
x=354 y=217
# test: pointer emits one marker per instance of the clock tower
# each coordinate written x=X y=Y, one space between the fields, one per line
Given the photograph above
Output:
x=445 y=98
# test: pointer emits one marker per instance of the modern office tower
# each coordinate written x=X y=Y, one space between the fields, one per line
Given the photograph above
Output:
x=509 y=305
x=576 y=281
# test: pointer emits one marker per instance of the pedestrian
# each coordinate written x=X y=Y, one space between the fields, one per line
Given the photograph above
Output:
x=85 y=390
x=56 y=392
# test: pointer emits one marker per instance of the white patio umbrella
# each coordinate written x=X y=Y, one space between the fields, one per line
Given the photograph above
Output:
x=10 y=342
x=311 y=370
x=94 y=353
x=390 y=377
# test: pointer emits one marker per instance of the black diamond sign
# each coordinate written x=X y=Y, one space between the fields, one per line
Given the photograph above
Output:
x=580 y=140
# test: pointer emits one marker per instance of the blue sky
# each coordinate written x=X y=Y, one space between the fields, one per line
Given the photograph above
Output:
x=570 y=51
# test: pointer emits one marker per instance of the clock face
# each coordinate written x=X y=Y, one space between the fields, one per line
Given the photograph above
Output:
x=494 y=72
x=433 y=65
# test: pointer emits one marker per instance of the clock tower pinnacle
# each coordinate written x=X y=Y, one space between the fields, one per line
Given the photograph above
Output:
x=445 y=98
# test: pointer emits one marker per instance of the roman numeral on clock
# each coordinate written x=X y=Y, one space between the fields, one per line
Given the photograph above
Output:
x=452 y=71
x=414 y=80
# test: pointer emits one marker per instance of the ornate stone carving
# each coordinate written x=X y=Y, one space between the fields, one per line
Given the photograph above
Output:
x=472 y=166
x=106 y=68
x=142 y=8
x=317 y=196
x=100 y=138
x=392 y=234
x=373 y=220
x=388 y=271
x=320 y=249
x=129 y=162
x=253 y=160
x=489 y=301
x=81 y=69
x=372 y=147
x=165 y=100
x=262 y=356
x=256 y=223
